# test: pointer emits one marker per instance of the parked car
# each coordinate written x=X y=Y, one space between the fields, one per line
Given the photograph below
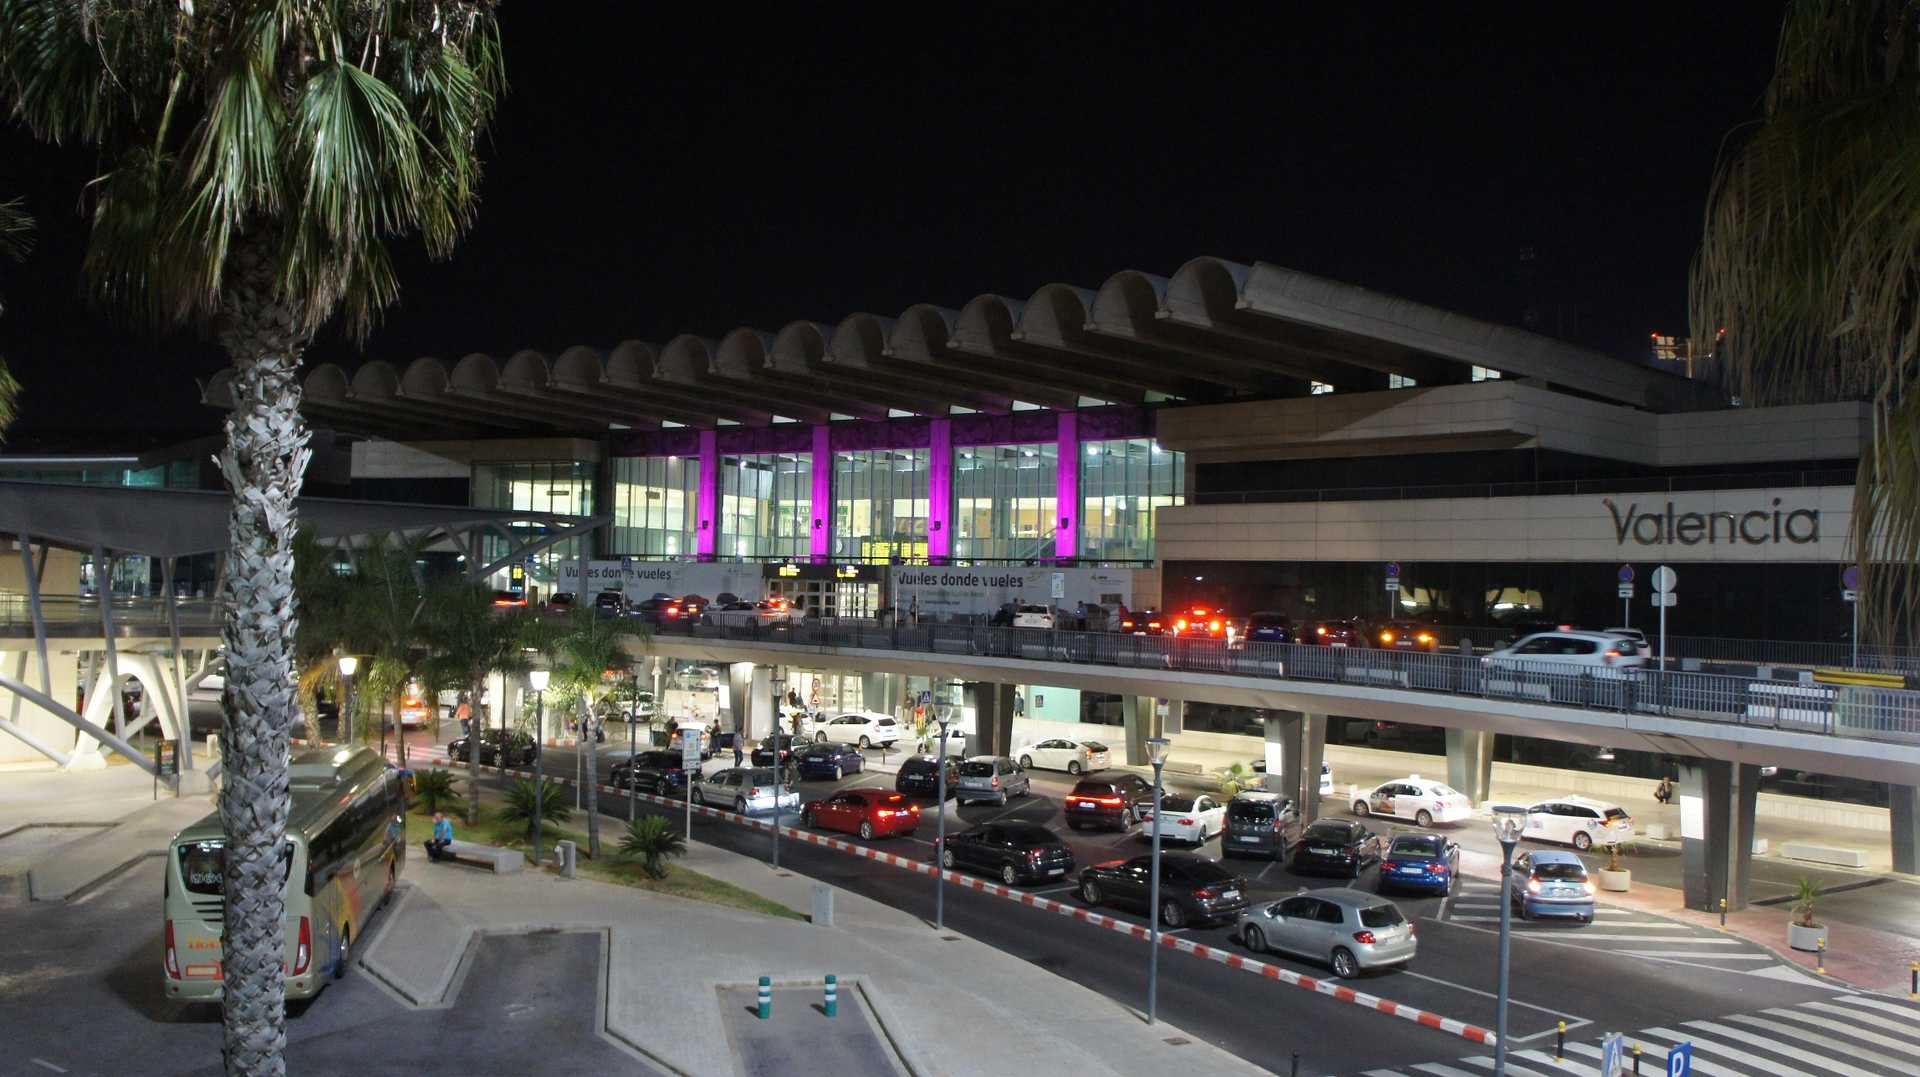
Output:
x=1016 y=852
x=1267 y=626
x=415 y=712
x=1260 y=824
x=519 y=753
x=1405 y=636
x=1338 y=632
x=1341 y=846
x=1204 y=622
x=1420 y=862
x=771 y=613
x=991 y=777
x=1634 y=635
x=920 y=775
x=692 y=606
x=829 y=760
x=1581 y=650
x=661 y=611
x=1060 y=753
x=562 y=601
x=1144 y=623
x=865 y=728
x=1182 y=818
x=1326 y=775
x=677 y=738
x=1550 y=883
x=1107 y=800
x=1350 y=930
x=763 y=754
x=610 y=603
x=1193 y=889
x=747 y=790
x=1422 y=800
x=1581 y=822
x=658 y=772
x=509 y=598
x=1028 y=615
x=870 y=813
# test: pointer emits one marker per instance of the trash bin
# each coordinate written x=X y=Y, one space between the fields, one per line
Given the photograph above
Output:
x=563 y=852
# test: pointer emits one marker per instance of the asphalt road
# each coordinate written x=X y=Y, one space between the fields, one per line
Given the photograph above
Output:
x=1628 y=973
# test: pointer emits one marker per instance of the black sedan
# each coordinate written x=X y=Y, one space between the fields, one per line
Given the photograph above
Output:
x=920 y=776
x=1193 y=889
x=658 y=772
x=763 y=753
x=830 y=761
x=1338 y=846
x=519 y=753
x=1016 y=852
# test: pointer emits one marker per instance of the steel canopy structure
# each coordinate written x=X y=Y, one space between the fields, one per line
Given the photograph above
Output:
x=1214 y=330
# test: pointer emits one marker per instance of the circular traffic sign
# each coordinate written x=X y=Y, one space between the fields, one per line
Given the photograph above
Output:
x=1664 y=578
x=1850 y=578
x=1626 y=573
x=1393 y=569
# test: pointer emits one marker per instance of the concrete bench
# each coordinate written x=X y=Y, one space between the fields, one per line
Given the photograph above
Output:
x=1177 y=766
x=501 y=861
x=1823 y=854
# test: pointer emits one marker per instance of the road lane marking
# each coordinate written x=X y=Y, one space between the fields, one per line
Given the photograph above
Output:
x=1439 y=1070
x=1573 y=1020
x=1709 y=956
x=1845 y=1029
x=1563 y=1066
x=1873 y=1020
x=1907 y=1012
x=1720 y=1050
x=1739 y=1035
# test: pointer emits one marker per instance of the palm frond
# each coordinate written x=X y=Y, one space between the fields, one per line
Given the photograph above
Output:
x=16 y=229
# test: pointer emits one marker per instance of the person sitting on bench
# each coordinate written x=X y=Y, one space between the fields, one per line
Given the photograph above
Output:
x=442 y=836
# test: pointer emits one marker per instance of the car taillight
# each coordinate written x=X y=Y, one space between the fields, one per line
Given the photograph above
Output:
x=1186 y=822
x=1322 y=630
x=1389 y=865
x=1424 y=638
x=1588 y=887
x=1364 y=938
x=996 y=782
x=1180 y=625
x=1126 y=624
x=1386 y=637
x=1033 y=855
x=1153 y=624
x=1206 y=893
x=673 y=611
x=303 y=952
x=754 y=791
x=1213 y=626
x=1277 y=827
x=173 y=960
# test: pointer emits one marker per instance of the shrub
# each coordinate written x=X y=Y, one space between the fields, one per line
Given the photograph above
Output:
x=555 y=805
x=1804 y=898
x=652 y=839
x=434 y=790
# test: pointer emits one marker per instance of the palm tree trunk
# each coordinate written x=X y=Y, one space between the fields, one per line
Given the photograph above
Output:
x=476 y=728
x=263 y=462
x=591 y=758
x=400 y=722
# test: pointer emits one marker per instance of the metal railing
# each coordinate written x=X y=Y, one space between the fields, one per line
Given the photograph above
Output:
x=1673 y=484
x=1879 y=714
x=65 y=613
x=1807 y=654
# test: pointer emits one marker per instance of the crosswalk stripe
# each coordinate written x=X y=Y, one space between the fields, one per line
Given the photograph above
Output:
x=1872 y=1019
x=1845 y=1029
x=1604 y=935
x=1567 y=1066
x=1778 y=1048
x=1710 y=957
x=1721 y=1050
x=1853 y=1051
x=1701 y=1064
x=1907 y=1012
x=1439 y=1070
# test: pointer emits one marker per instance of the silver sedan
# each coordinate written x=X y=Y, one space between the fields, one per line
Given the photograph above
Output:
x=1348 y=929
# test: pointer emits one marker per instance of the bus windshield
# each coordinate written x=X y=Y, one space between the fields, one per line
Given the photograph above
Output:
x=203 y=865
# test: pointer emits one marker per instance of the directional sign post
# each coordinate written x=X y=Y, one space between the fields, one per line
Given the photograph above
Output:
x=1613 y=1054
x=1680 y=1060
x=1663 y=580
x=690 y=737
x=1850 y=592
x=1393 y=587
x=1626 y=596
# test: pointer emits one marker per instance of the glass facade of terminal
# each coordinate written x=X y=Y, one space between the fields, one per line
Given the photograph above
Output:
x=654 y=503
x=1005 y=502
x=556 y=486
x=1122 y=482
x=880 y=505
x=766 y=505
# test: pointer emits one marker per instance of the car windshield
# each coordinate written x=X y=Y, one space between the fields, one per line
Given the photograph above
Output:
x=1172 y=803
x=1028 y=836
x=971 y=769
x=1417 y=848
x=1333 y=832
x=1560 y=870
x=917 y=766
x=1380 y=916
x=1093 y=789
x=1256 y=810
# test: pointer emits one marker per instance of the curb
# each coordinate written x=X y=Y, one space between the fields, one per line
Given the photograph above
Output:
x=1469 y=1032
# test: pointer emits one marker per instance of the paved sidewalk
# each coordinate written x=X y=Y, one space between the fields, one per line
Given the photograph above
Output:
x=667 y=957
x=79 y=864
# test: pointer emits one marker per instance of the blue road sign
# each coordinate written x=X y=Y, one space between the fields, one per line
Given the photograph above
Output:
x=1626 y=573
x=926 y=697
x=1393 y=570
x=1680 y=1060
x=1613 y=1051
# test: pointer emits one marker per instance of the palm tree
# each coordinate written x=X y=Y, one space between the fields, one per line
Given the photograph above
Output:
x=471 y=639
x=16 y=241
x=651 y=839
x=386 y=607
x=257 y=158
x=524 y=793
x=1810 y=262
x=586 y=659
x=434 y=788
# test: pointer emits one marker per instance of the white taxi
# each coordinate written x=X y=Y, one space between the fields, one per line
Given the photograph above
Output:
x=1182 y=818
x=1422 y=800
x=1581 y=822
x=1059 y=753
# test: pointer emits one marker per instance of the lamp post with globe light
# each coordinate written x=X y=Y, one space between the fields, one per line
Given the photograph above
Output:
x=349 y=665
x=1508 y=822
x=537 y=679
x=1157 y=755
x=940 y=844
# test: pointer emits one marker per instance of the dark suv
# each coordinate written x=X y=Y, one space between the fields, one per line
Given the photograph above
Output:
x=1193 y=889
x=1269 y=627
x=658 y=772
x=519 y=751
x=610 y=603
x=1260 y=824
x=1107 y=800
x=921 y=775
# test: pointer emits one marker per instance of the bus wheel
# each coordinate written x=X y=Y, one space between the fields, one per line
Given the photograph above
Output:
x=346 y=952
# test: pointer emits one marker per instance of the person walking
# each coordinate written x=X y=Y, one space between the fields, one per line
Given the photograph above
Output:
x=442 y=836
x=739 y=748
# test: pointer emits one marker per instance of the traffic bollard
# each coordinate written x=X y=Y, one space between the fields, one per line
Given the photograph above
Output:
x=1296 y=1064
x=1560 y=1043
x=1913 y=981
x=766 y=997
x=1820 y=959
x=1723 y=914
x=1636 y=1060
x=833 y=996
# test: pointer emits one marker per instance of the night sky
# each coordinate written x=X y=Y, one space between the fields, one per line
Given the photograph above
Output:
x=658 y=172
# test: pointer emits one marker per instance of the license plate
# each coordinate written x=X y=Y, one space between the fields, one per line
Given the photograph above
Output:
x=1318 y=851
x=1336 y=643
x=1230 y=895
x=1056 y=871
x=1247 y=838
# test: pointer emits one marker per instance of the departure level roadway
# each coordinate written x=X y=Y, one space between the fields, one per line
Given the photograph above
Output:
x=1559 y=973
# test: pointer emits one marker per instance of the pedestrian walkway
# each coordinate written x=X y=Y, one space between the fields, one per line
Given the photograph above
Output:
x=1849 y=1035
x=1627 y=931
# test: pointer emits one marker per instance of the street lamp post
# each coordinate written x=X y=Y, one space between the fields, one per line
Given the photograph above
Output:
x=940 y=847
x=349 y=664
x=538 y=680
x=1508 y=822
x=1157 y=755
x=779 y=685
x=633 y=743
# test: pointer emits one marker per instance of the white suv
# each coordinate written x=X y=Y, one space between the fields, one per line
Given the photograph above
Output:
x=1026 y=615
x=863 y=728
x=1603 y=650
x=1581 y=822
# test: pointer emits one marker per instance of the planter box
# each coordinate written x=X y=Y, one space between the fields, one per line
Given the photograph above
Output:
x=1658 y=831
x=1806 y=938
x=1615 y=881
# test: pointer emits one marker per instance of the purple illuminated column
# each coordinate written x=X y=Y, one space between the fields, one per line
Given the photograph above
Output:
x=706 y=535
x=940 y=491
x=1066 y=539
x=822 y=534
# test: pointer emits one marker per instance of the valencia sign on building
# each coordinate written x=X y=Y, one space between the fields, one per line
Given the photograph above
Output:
x=1665 y=525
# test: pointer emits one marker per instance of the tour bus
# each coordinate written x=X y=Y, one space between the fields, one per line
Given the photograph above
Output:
x=346 y=842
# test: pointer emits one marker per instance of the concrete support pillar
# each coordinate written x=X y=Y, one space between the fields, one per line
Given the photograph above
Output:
x=1296 y=745
x=1176 y=719
x=1470 y=762
x=992 y=717
x=1906 y=828
x=739 y=696
x=759 y=711
x=1137 y=717
x=878 y=694
x=1716 y=832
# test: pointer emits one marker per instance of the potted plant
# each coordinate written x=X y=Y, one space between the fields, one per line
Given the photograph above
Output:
x=1613 y=877
x=1804 y=932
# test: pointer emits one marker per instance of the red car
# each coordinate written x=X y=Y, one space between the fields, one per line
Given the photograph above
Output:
x=870 y=813
x=1205 y=622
